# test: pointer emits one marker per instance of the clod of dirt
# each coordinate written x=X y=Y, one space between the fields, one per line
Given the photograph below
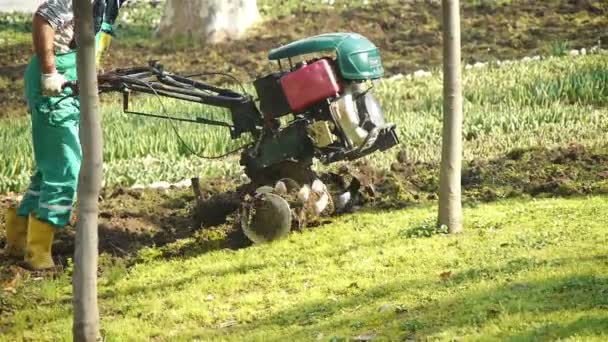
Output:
x=215 y=210
x=516 y=154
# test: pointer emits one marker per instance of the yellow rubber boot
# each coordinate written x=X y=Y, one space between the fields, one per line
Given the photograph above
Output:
x=39 y=242
x=104 y=44
x=16 y=233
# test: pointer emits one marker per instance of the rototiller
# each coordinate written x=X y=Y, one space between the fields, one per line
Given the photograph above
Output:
x=334 y=113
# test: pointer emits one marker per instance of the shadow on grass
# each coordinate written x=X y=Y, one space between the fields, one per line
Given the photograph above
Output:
x=468 y=310
x=177 y=282
x=457 y=308
x=174 y=283
x=588 y=325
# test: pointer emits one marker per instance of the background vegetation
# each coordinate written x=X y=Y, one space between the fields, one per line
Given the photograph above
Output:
x=551 y=102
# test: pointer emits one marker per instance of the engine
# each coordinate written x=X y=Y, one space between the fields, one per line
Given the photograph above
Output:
x=334 y=114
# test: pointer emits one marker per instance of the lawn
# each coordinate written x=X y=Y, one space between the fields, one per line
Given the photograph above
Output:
x=525 y=270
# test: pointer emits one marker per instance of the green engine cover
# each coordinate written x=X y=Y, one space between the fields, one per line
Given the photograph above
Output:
x=358 y=58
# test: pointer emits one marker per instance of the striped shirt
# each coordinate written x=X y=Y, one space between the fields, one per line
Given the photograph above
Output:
x=60 y=16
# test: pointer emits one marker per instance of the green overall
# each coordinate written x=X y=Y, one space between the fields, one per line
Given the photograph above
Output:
x=57 y=152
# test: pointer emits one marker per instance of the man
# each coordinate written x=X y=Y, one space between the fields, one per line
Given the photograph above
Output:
x=47 y=204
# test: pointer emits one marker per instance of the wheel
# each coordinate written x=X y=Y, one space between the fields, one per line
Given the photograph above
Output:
x=265 y=217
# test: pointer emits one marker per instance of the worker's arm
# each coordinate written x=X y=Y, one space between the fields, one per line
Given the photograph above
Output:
x=43 y=36
x=49 y=18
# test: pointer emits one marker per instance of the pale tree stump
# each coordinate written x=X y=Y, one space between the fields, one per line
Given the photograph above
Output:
x=210 y=21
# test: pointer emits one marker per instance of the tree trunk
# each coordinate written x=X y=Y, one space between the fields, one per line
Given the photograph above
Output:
x=84 y=282
x=211 y=21
x=450 y=206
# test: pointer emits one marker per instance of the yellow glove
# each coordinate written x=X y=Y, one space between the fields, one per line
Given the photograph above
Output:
x=103 y=45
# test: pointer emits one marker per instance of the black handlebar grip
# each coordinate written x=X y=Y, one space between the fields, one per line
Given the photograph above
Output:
x=73 y=85
x=70 y=84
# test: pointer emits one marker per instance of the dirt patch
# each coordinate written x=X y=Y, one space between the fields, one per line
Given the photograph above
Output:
x=407 y=32
x=565 y=171
x=133 y=219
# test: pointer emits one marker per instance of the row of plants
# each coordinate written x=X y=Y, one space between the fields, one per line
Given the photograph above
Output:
x=548 y=102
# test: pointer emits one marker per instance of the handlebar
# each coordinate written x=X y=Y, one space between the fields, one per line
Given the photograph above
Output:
x=73 y=85
x=155 y=80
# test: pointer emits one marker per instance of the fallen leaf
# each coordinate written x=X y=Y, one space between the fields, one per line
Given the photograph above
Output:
x=353 y=285
x=446 y=275
x=365 y=337
x=13 y=283
x=386 y=307
x=228 y=324
x=400 y=308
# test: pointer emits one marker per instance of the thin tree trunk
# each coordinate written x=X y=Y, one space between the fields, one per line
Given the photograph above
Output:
x=450 y=206
x=84 y=282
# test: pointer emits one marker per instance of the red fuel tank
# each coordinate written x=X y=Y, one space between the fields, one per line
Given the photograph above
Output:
x=310 y=84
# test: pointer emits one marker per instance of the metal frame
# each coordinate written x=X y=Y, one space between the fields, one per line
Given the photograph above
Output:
x=246 y=118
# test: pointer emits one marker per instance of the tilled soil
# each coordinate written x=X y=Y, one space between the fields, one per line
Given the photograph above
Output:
x=407 y=32
x=133 y=219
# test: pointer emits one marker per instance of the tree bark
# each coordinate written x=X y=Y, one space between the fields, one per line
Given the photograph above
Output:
x=450 y=205
x=211 y=21
x=84 y=282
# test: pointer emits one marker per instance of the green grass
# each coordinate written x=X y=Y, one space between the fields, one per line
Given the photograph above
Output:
x=523 y=271
x=550 y=102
